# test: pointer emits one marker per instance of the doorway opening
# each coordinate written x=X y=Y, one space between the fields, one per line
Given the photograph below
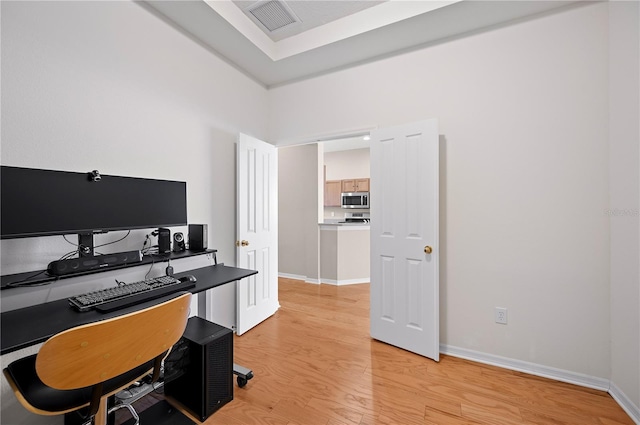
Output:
x=301 y=208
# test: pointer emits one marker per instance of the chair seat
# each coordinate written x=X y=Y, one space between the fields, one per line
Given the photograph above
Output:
x=69 y=359
x=43 y=397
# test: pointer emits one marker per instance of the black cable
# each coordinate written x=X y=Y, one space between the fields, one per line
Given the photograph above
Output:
x=72 y=243
x=24 y=282
x=151 y=250
x=109 y=243
x=144 y=244
x=152 y=263
x=98 y=246
x=77 y=245
x=68 y=255
x=147 y=250
x=169 y=270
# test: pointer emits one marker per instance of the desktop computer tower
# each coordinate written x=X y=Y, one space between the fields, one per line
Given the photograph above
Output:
x=164 y=240
x=200 y=373
x=198 y=234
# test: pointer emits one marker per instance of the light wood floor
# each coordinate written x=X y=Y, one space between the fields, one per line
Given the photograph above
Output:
x=314 y=363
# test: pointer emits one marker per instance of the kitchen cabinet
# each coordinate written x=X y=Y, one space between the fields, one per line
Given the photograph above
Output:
x=355 y=185
x=332 y=190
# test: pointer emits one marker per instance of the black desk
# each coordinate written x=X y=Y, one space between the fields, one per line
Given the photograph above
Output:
x=27 y=326
x=41 y=276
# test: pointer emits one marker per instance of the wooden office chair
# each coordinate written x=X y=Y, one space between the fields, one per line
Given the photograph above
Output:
x=83 y=366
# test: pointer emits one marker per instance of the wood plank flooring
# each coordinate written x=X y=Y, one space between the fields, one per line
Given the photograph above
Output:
x=315 y=364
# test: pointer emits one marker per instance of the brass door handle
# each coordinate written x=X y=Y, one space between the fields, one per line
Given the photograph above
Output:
x=428 y=249
x=243 y=243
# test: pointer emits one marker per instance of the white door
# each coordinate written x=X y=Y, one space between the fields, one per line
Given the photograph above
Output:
x=404 y=237
x=257 y=224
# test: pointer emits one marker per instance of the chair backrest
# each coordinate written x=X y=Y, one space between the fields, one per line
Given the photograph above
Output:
x=95 y=352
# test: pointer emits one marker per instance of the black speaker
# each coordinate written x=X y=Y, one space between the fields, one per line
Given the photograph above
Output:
x=164 y=240
x=197 y=237
x=199 y=370
x=178 y=242
x=84 y=264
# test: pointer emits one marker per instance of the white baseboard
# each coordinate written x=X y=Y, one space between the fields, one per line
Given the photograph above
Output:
x=298 y=277
x=344 y=281
x=527 y=367
x=627 y=405
x=322 y=280
x=292 y=276
x=548 y=372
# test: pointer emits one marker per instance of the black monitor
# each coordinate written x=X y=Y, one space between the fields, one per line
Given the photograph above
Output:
x=38 y=202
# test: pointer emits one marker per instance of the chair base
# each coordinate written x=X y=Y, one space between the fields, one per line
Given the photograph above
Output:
x=132 y=411
x=161 y=413
x=76 y=418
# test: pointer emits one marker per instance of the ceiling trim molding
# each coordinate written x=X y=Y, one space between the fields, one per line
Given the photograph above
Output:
x=386 y=13
x=326 y=137
x=244 y=25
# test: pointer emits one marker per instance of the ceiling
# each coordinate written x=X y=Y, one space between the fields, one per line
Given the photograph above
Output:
x=329 y=35
x=306 y=14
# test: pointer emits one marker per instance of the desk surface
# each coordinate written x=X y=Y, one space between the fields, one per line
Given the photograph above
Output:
x=35 y=277
x=32 y=325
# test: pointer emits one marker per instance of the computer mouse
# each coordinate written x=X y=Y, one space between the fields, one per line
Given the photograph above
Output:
x=188 y=278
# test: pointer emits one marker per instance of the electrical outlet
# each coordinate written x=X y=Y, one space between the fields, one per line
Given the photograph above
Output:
x=501 y=315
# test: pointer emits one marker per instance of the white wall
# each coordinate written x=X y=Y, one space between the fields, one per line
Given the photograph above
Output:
x=523 y=113
x=109 y=86
x=624 y=163
x=349 y=164
x=299 y=198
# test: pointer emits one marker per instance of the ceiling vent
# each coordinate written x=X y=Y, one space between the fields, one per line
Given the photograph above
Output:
x=272 y=14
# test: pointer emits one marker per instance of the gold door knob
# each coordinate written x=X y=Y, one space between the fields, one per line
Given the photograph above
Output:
x=244 y=243
x=428 y=249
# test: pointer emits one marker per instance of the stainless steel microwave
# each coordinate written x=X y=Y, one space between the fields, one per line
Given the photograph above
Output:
x=354 y=200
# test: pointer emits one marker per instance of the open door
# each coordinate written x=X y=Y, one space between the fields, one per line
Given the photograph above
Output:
x=404 y=237
x=257 y=234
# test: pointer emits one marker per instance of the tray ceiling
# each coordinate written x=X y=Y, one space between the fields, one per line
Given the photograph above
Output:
x=330 y=35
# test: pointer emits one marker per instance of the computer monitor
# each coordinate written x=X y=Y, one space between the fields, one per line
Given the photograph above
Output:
x=36 y=202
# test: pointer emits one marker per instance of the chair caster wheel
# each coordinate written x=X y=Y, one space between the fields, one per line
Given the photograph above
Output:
x=241 y=382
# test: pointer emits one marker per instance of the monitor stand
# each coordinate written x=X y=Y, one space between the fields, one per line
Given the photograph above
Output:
x=85 y=245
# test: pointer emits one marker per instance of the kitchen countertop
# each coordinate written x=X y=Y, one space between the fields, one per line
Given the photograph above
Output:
x=335 y=224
